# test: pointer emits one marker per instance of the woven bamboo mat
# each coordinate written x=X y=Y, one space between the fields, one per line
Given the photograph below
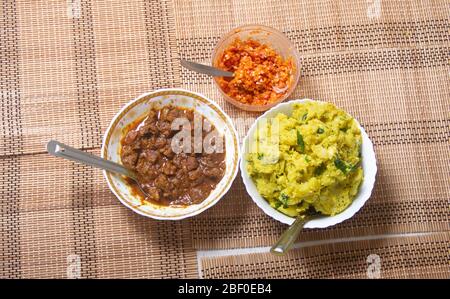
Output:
x=390 y=72
x=413 y=257
x=68 y=66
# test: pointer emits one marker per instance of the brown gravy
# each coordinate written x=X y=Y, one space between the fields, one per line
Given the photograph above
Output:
x=167 y=177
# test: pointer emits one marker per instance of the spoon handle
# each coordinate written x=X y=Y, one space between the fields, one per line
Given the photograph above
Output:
x=61 y=150
x=205 y=69
x=289 y=236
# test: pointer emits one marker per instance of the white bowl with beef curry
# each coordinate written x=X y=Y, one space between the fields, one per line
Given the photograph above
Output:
x=183 y=149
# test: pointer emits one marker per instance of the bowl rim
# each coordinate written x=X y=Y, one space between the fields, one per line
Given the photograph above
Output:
x=356 y=205
x=168 y=91
x=295 y=55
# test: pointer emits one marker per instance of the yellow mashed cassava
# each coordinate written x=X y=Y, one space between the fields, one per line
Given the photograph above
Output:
x=314 y=161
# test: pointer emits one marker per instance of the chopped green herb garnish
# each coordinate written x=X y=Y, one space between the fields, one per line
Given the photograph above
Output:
x=277 y=204
x=320 y=131
x=343 y=129
x=284 y=200
x=300 y=142
x=319 y=170
x=340 y=165
x=260 y=156
x=305 y=116
x=307 y=159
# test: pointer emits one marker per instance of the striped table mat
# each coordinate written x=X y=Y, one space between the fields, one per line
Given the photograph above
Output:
x=67 y=66
x=411 y=257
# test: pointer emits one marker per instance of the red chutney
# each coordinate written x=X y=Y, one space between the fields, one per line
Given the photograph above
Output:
x=261 y=75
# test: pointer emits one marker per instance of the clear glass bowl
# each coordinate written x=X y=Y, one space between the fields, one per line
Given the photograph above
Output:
x=266 y=35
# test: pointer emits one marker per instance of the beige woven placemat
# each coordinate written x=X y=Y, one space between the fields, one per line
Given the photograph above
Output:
x=413 y=257
x=389 y=70
x=68 y=66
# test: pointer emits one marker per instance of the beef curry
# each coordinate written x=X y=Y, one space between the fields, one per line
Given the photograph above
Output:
x=170 y=177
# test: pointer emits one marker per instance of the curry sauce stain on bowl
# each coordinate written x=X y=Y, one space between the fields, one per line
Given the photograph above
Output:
x=158 y=99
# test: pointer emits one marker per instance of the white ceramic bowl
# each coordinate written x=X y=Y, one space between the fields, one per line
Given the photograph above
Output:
x=368 y=164
x=139 y=107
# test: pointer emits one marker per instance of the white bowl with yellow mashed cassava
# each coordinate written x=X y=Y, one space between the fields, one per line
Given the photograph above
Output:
x=305 y=155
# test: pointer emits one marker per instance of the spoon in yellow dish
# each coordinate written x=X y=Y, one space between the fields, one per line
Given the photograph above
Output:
x=287 y=239
x=61 y=150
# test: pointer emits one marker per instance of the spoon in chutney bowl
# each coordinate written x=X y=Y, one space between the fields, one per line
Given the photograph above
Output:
x=205 y=69
x=58 y=149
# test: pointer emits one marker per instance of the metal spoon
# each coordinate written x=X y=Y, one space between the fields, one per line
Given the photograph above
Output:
x=289 y=236
x=61 y=150
x=205 y=69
